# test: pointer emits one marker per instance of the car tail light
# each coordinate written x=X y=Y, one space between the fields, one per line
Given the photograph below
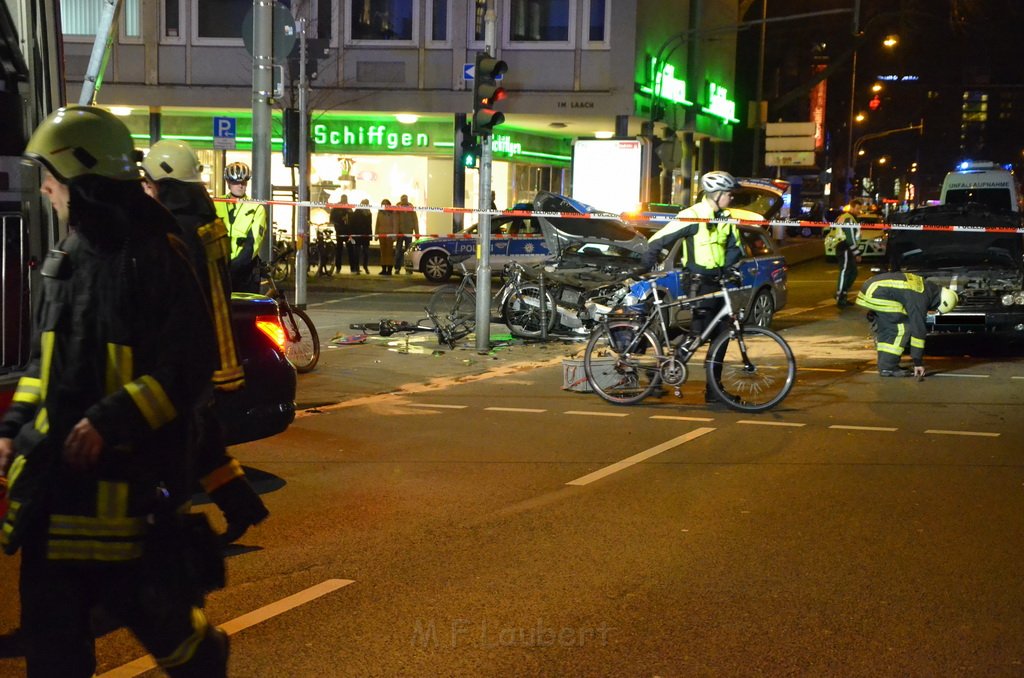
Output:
x=270 y=325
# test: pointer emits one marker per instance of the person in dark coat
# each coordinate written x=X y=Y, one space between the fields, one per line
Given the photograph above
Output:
x=361 y=226
x=339 y=217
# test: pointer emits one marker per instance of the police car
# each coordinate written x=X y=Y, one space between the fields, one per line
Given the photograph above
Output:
x=521 y=239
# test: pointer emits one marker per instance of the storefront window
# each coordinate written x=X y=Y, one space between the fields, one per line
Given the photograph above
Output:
x=479 y=10
x=381 y=19
x=172 y=18
x=597 y=27
x=532 y=21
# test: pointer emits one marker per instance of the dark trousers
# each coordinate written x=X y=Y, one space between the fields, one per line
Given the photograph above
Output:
x=704 y=313
x=847 y=270
x=359 y=252
x=57 y=599
x=401 y=244
x=222 y=477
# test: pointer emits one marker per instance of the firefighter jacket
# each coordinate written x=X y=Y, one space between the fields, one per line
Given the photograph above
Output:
x=901 y=302
x=207 y=240
x=122 y=337
x=846 y=233
x=707 y=246
x=247 y=226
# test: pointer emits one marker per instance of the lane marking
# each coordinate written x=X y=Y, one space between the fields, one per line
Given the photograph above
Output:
x=665 y=416
x=528 y=410
x=943 y=432
x=864 y=428
x=147 y=663
x=1016 y=377
x=639 y=457
x=754 y=422
x=960 y=374
x=820 y=369
x=438 y=407
x=586 y=413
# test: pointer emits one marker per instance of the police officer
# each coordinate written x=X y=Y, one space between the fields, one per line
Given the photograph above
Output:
x=247 y=226
x=98 y=427
x=708 y=246
x=898 y=304
x=846 y=236
x=173 y=177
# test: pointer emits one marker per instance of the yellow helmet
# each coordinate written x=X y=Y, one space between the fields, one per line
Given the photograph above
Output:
x=948 y=300
x=171 y=159
x=74 y=141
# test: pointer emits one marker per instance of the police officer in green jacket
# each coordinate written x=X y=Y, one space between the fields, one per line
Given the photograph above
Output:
x=708 y=246
x=247 y=226
x=898 y=304
x=96 y=441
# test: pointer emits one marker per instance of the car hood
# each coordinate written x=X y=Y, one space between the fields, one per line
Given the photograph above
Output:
x=563 y=232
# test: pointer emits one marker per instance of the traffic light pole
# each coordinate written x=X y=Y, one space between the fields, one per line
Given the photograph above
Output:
x=302 y=227
x=483 y=268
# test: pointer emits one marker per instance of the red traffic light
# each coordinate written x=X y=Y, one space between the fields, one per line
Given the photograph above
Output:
x=874 y=103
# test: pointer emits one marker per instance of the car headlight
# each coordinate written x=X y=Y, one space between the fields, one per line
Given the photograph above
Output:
x=1018 y=298
x=630 y=300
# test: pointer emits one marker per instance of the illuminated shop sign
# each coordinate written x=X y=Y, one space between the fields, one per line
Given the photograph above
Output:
x=666 y=85
x=501 y=143
x=719 y=103
x=898 y=78
x=371 y=136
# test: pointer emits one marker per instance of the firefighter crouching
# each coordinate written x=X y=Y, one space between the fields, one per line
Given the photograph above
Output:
x=898 y=305
x=95 y=443
x=173 y=176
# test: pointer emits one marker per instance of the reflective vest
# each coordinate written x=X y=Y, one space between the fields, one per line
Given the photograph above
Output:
x=243 y=219
x=229 y=374
x=706 y=246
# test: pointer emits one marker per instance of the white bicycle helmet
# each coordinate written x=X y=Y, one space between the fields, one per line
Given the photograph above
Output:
x=714 y=182
x=237 y=172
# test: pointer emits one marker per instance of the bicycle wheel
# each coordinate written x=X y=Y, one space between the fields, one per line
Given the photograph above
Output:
x=618 y=376
x=302 y=344
x=453 y=310
x=327 y=256
x=522 y=312
x=757 y=383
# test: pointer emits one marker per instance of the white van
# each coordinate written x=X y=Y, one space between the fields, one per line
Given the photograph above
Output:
x=981 y=182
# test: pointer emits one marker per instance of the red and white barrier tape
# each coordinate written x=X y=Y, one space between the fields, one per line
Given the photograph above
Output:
x=627 y=217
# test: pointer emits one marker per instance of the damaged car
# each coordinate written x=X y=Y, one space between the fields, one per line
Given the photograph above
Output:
x=979 y=254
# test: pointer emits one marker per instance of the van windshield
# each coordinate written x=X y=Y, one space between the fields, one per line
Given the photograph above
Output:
x=993 y=198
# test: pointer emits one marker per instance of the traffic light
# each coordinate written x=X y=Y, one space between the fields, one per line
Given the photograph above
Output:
x=486 y=93
x=470 y=147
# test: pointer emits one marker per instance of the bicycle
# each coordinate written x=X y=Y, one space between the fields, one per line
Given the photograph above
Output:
x=453 y=307
x=301 y=341
x=387 y=327
x=749 y=368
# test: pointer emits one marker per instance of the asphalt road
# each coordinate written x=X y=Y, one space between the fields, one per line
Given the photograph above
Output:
x=447 y=513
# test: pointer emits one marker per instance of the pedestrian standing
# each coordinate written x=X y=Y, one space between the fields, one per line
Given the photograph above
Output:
x=247 y=226
x=339 y=220
x=707 y=248
x=99 y=427
x=387 y=227
x=172 y=176
x=898 y=304
x=408 y=223
x=361 y=226
x=845 y=237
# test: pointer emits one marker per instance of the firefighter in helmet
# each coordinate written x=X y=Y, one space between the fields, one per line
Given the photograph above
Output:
x=172 y=176
x=98 y=433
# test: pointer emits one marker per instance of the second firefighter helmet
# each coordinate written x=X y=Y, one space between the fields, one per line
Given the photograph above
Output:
x=172 y=159
x=74 y=141
x=714 y=182
x=237 y=173
x=948 y=299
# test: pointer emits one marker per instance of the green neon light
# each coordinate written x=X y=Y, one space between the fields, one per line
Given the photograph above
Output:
x=200 y=137
x=666 y=85
x=444 y=144
x=546 y=156
x=719 y=103
x=370 y=136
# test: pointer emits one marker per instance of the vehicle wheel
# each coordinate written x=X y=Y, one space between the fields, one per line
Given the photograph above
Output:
x=436 y=266
x=453 y=310
x=522 y=312
x=762 y=311
x=621 y=367
x=302 y=344
x=756 y=383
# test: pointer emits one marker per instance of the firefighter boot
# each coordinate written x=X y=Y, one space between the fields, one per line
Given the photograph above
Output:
x=210 y=659
x=241 y=506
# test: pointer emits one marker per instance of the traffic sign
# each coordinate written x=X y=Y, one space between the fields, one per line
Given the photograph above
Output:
x=468 y=71
x=788 y=129
x=224 y=133
x=789 y=159
x=789 y=143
